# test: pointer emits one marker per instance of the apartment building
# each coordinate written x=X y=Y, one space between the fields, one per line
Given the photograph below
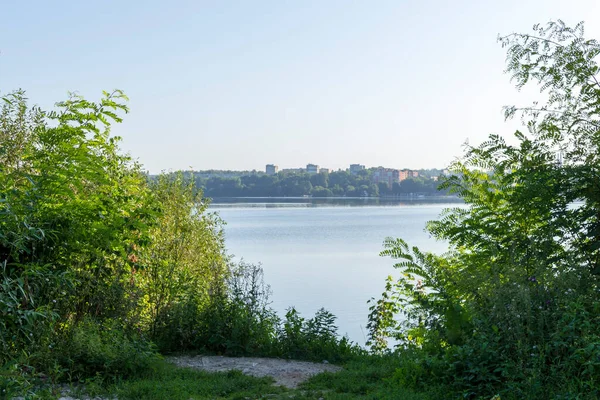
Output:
x=387 y=175
x=271 y=169
x=312 y=169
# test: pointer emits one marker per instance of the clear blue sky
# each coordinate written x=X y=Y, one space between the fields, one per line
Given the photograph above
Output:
x=238 y=84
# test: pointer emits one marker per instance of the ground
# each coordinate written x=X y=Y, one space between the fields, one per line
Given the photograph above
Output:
x=288 y=373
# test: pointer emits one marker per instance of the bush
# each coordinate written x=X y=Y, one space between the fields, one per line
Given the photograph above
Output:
x=90 y=250
x=237 y=321
x=92 y=349
x=98 y=260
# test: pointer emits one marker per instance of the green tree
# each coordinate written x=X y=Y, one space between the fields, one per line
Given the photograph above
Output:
x=92 y=252
x=373 y=190
x=351 y=191
x=511 y=307
x=74 y=212
x=342 y=178
x=338 y=190
x=185 y=258
x=320 y=191
x=320 y=179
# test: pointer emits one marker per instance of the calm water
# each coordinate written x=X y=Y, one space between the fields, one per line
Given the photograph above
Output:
x=325 y=254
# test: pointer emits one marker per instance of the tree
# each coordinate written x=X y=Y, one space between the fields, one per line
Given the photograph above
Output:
x=522 y=273
x=320 y=191
x=320 y=179
x=92 y=252
x=373 y=190
x=566 y=129
x=338 y=190
x=74 y=212
x=383 y=188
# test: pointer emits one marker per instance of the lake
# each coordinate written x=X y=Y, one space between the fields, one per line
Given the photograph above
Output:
x=325 y=253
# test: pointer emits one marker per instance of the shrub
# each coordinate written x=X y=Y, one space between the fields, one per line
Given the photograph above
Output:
x=97 y=259
x=90 y=250
x=238 y=321
x=105 y=349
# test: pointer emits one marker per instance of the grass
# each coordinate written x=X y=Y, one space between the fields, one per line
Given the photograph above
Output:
x=367 y=377
x=171 y=382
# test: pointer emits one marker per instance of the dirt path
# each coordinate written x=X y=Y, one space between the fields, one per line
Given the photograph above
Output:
x=286 y=373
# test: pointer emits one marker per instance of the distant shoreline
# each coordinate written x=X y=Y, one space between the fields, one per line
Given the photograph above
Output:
x=225 y=202
x=403 y=197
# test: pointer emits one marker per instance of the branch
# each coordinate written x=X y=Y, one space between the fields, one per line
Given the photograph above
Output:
x=523 y=35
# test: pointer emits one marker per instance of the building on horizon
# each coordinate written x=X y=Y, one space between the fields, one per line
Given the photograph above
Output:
x=323 y=170
x=312 y=168
x=271 y=169
x=293 y=170
x=386 y=175
x=407 y=173
x=356 y=168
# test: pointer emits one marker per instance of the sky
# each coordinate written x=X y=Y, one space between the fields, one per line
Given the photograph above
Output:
x=240 y=84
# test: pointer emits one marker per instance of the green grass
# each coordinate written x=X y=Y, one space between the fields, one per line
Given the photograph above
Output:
x=367 y=377
x=364 y=377
x=171 y=382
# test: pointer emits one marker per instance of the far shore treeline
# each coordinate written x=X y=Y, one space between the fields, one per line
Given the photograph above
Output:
x=341 y=183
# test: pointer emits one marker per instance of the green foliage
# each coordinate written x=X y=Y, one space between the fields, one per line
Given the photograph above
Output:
x=185 y=257
x=313 y=339
x=337 y=183
x=234 y=321
x=106 y=350
x=510 y=308
x=73 y=211
x=169 y=382
x=238 y=321
x=98 y=262
x=364 y=377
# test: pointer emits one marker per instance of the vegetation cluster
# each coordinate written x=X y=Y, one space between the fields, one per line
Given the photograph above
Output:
x=512 y=309
x=102 y=269
x=323 y=184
